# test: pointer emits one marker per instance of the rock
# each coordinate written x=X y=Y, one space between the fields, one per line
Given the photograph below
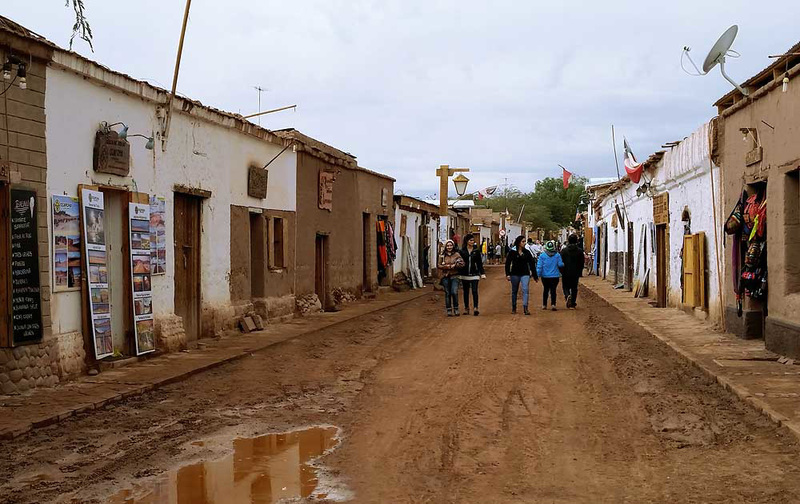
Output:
x=4 y=378
x=18 y=352
x=5 y=356
x=23 y=385
x=243 y=326
x=15 y=375
x=258 y=321
x=24 y=362
x=12 y=364
x=28 y=373
x=39 y=382
x=93 y=372
x=8 y=388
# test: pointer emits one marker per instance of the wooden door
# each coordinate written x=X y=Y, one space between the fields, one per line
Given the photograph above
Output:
x=187 y=262
x=5 y=267
x=662 y=263
x=366 y=278
x=629 y=259
x=320 y=270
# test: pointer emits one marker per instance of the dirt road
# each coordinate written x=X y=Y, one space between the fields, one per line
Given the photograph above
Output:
x=559 y=407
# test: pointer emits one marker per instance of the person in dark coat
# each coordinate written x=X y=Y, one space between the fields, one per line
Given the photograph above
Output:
x=472 y=272
x=520 y=266
x=573 y=258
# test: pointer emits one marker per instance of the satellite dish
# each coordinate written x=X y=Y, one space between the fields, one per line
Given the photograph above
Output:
x=720 y=50
x=716 y=56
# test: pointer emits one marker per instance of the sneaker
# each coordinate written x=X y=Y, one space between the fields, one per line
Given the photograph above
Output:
x=569 y=301
x=525 y=310
x=455 y=312
x=514 y=311
x=554 y=308
x=449 y=312
x=544 y=307
x=476 y=312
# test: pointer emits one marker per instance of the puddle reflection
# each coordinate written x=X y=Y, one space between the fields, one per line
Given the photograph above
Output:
x=261 y=470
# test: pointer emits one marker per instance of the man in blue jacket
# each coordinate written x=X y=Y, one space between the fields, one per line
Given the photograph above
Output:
x=548 y=267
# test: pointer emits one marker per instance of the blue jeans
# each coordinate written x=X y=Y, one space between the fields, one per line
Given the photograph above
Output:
x=515 y=283
x=450 y=285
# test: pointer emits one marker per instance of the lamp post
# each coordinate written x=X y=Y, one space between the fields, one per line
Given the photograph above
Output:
x=444 y=172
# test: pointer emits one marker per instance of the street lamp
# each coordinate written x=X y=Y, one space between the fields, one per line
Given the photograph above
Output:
x=460 y=181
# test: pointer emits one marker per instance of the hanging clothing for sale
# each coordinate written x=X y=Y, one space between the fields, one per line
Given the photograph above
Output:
x=383 y=254
x=391 y=244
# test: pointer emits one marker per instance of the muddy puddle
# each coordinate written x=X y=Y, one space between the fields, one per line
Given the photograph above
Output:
x=261 y=470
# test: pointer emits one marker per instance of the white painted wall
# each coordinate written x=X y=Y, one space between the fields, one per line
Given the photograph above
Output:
x=512 y=231
x=684 y=173
x=413 y=221
x=199 y=154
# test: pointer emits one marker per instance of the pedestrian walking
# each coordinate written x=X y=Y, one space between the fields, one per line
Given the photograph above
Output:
x=484 y=250
x=491 y=253
x=573 y=258
x=549 y=266
x=471 y=273
x=520 y=266
x=498 y=252
x=450 y=263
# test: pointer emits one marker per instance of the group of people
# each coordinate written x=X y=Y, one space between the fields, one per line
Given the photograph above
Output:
x=523 y=261
x=461 y=266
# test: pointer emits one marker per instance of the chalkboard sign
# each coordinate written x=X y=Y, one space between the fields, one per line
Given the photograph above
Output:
x=26 y=306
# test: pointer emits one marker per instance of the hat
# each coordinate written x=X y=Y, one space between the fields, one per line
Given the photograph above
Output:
x=550 y=246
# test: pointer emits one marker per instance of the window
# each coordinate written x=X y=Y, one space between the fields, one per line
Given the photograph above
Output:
x=791 y=224
x=278 y=243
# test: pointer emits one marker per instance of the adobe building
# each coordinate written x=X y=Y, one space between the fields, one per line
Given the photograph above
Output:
x=132 y=212
x=417 y=225
x=758 y=152
x=344 y=244
x=31 y=354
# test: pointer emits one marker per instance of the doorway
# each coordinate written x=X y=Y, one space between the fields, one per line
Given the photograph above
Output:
x=257 y=256
x=115 y=204
x=629 y=259
x=366 y=280
x=662 y=263
x=187 y=262
x=321 y=270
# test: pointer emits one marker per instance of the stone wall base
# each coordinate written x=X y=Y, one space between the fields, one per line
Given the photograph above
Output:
x=71 y=355
x=309 y=303
x=748 y=326
x=25 y=367
x=782 y=337
x=170 y=335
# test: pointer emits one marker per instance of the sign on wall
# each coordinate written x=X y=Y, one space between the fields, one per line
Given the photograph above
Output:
x=158 y=235
x=112 y=154
x=26 y=305
x=94 y=236
x=326 y=179
x=257 y=178
x=661 y=208
x=141 y=268
x=66 y=244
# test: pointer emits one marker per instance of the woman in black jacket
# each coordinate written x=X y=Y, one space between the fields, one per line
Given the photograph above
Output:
x=520 y=266
x=472 y=272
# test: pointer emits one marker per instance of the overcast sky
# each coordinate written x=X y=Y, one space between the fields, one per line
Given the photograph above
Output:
x=507 y=88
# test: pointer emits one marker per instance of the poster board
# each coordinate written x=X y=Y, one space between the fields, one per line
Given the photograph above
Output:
x=158 y=235
x=26 y=300
x=97 y=272
x=66 y=243
x=141 y=269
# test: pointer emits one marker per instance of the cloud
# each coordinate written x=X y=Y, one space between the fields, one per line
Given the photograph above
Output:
x=508 y=88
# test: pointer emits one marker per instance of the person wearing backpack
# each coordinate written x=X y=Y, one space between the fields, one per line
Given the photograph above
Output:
x=548 y=267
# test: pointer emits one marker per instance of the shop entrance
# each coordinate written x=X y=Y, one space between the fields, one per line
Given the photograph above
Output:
x=321 y=270
x=662 y=263
x=115 y=202
x=187 y=262
x=365 y=276
x=629 y=259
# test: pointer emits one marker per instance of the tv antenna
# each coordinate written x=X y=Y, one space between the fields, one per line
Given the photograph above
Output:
x=716 y=56
x=260 y=90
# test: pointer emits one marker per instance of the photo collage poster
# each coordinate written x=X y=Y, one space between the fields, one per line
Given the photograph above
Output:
x=141 y=271
x=158 y=235
x=97 y=267
x=66 y=244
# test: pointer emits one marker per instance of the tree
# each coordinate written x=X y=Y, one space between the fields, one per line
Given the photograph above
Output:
x=81 y=28
x=549 y=206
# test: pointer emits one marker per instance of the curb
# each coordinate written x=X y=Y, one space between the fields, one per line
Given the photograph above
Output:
x=57 y=417
x=740 y=392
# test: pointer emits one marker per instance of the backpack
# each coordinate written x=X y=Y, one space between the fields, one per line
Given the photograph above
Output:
x=735 y=221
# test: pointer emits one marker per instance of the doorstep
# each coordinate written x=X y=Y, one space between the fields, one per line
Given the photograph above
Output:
x=40 y=407
x=744 y=367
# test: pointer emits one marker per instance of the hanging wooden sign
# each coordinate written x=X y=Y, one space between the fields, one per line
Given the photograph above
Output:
x=112 y=154
x=326 y=179
x=661 y=208
x=26 y=305
x=257 y=178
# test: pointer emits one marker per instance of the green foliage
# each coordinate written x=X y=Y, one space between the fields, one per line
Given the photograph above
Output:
x=549 y=206
x=81 y=28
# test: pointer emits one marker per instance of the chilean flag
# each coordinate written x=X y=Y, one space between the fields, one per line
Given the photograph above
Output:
x=485 y=193
x=567 y=176
x=632 y=168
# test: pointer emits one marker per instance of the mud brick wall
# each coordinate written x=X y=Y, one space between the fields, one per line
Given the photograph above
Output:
x=23 y=145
